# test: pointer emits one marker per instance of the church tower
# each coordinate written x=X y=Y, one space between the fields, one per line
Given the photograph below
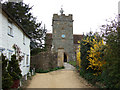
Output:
x=62 y=36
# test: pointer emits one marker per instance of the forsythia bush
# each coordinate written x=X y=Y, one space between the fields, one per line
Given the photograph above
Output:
x=84 y=47
x=92 y=53
x=95 y=56
x=101 y=63
x=78 y=56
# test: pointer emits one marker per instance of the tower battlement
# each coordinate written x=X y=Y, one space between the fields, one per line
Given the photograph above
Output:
x=64 y=17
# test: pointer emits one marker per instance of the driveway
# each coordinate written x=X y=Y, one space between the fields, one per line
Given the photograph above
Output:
x=64 y=78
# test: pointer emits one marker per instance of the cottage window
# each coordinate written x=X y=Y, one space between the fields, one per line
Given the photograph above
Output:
x=10 y=29
x=27 y=59
x=9 y=54
x=24 y=60
x=23 y=39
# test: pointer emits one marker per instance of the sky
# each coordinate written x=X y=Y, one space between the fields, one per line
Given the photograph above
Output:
x=88 y=15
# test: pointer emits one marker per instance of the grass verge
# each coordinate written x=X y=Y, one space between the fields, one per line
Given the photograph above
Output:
x=73 y=63
x=46 y=71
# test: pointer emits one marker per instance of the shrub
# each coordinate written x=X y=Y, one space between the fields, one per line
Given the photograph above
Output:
x=7 y=81
x=13 y=68
x=46 y=71
x=78 y=56
x=111 y=73
x=6 y=77
x=84 y=48
x=96 y=56
x=92 y=52
x=73 y=63
x=36 y=51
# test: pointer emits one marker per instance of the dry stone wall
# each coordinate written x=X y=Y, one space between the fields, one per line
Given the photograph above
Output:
x=44 y=61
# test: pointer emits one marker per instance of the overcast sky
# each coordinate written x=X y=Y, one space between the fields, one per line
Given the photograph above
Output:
x=87 y=14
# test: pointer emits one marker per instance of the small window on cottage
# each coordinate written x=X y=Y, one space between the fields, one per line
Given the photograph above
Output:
x=9 y=54
x=24 y=60
x=23 y=39
x=10 y=29
x=27 y=59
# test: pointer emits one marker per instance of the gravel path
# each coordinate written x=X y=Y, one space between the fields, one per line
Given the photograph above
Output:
x=64 y=78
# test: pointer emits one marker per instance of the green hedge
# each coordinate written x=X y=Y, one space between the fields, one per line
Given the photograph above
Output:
x=46 y=71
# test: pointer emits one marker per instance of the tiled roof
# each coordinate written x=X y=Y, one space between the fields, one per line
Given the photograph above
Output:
x=77 y=37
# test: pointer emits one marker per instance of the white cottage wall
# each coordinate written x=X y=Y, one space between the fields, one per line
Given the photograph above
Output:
x=0 y=27
x=7 y=41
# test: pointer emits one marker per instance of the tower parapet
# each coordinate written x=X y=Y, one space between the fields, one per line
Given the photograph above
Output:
x=63 y=17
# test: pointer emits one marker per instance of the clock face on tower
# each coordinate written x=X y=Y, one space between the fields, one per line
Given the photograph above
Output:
x=63 y=35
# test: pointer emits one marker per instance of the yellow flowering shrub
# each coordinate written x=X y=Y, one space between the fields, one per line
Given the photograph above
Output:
x=78 y=59
x=95 y=56
x=78 y=56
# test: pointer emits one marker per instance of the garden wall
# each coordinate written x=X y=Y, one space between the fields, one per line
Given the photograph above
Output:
x=44 y=61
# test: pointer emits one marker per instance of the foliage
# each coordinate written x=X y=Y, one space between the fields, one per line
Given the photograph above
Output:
x=18 y=52
x=102 y=61
x=7 y=81
x=36 y=51
x=6 y=77
x=10 y=69
x=46 y=71
x=84 y=47
x=111 y=35
x=21 y=13
x=92 y=53
x=78 y=56
x=13 y=68
x=73 y=63
x=95 y=57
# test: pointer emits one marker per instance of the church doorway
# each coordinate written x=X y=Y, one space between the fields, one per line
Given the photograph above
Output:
x=65 y=57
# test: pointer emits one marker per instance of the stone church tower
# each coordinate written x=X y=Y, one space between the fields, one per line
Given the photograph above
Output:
x=62 y=36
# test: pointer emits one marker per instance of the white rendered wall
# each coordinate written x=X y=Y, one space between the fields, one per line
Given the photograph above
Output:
x=119 y=11
x=7 y=42
x=0 y=27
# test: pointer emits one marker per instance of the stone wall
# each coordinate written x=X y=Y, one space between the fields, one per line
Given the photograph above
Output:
x=44 y=61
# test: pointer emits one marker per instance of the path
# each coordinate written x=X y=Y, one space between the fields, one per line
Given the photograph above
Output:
x=65 y=78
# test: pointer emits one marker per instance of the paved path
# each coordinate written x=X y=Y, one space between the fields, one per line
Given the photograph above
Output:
x=64 y=78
